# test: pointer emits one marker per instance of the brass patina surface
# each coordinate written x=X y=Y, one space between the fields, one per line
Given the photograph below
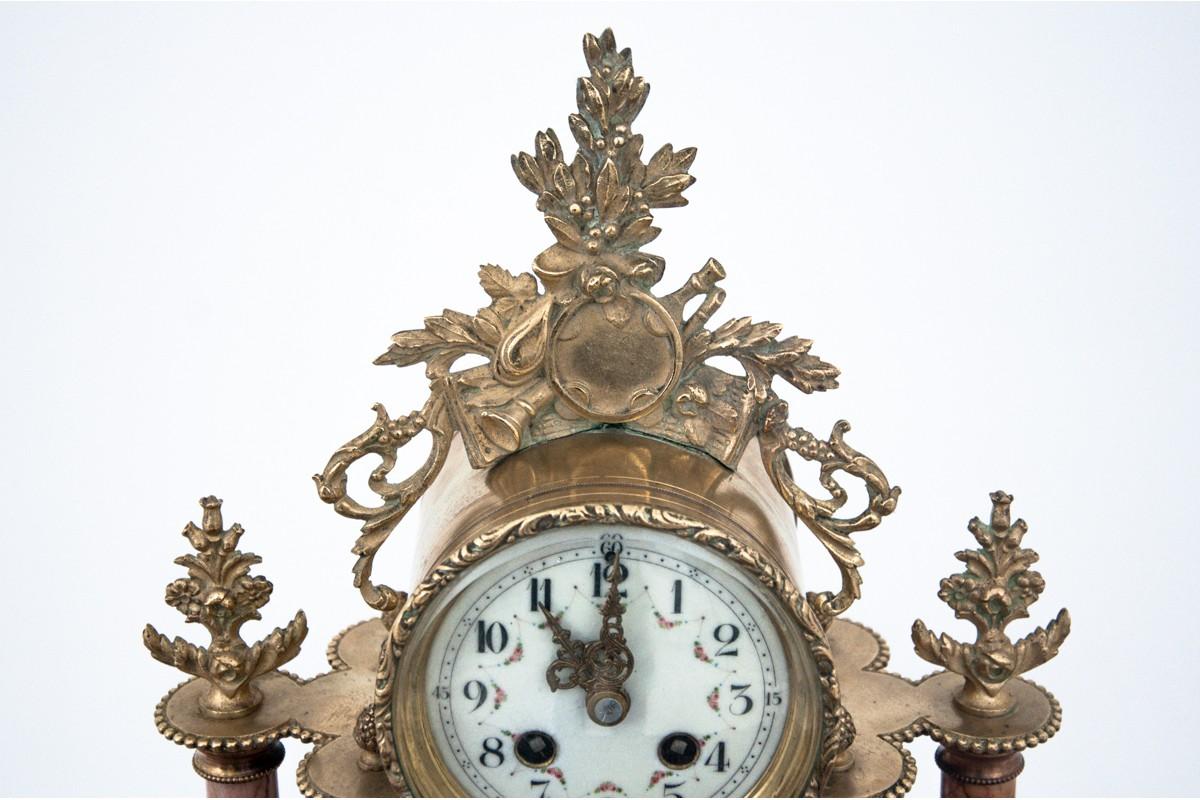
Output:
x=597 y=404
x=241 y=767
x=220 y=594
x=613 y=476
x=333 y=768
x=888 y=712
x=582 y=342
x=292 y=707
x=996 y=588
x=605 y=466
x=323 y=710
x=816 y=727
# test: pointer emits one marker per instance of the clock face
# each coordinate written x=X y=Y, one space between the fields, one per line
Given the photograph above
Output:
x=706 y=699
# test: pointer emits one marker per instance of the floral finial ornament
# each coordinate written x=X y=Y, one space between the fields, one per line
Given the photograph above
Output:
x=220 y=594
x=996 y=588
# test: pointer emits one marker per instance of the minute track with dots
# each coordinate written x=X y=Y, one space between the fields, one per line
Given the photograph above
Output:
x=707 y=672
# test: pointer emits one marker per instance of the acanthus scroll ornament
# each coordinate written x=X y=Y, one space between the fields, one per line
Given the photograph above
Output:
x=820 y=515
x=583 y=342
x=221 y=595
x=384 y=438
x=996 y=588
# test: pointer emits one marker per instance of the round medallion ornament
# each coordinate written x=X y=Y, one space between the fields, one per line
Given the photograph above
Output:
x=613 y=360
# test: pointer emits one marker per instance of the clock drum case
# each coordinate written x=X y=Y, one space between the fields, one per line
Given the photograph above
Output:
x=607 y=597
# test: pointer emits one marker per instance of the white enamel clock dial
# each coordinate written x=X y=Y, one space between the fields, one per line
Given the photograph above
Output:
x=708 y=692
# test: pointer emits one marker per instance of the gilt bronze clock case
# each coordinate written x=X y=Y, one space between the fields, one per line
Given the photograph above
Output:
x=584 y=344
x=616 y=479
x=600 y=403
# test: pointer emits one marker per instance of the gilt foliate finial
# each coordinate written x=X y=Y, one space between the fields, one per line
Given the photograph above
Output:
x=996 y=588
x=220 y=594
x=600 y=201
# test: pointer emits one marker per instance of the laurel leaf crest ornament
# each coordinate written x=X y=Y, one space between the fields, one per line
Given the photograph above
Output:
x=584 y=342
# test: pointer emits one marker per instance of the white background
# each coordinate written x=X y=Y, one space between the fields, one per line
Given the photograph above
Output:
x=213 y=217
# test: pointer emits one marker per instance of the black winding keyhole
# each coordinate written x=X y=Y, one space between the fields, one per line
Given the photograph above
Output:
x=536 y=749
x=678 y=750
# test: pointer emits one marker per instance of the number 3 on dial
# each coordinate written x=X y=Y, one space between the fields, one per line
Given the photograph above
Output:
x=704 y=703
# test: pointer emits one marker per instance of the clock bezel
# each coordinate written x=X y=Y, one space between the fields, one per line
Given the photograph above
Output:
x=413 y=761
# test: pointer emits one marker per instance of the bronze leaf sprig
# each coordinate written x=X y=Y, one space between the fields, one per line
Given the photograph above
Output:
x=763 y=355
x=452 y=334
x=602 y=199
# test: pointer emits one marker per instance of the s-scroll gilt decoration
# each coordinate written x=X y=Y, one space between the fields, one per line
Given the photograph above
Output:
x=834 y=455
x=583 y=342
x=384 y=438
x=996 y=588
x=221 y=595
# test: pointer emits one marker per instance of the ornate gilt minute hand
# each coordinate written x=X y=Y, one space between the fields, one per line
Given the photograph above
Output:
x=600 y=667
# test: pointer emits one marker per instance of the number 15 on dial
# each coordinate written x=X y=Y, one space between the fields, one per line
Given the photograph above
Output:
x=609 y=662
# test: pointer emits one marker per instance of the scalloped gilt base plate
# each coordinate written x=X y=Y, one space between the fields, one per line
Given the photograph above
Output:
x=888 y=711
x=881 y=766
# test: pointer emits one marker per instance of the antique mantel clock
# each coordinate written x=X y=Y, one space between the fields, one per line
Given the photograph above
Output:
x=607 y=600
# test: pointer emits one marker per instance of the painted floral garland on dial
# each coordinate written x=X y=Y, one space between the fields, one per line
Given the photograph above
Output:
x=707 y=692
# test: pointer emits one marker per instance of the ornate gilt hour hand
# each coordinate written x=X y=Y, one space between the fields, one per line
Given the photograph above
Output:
x=571 y=656
x=601 y=667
